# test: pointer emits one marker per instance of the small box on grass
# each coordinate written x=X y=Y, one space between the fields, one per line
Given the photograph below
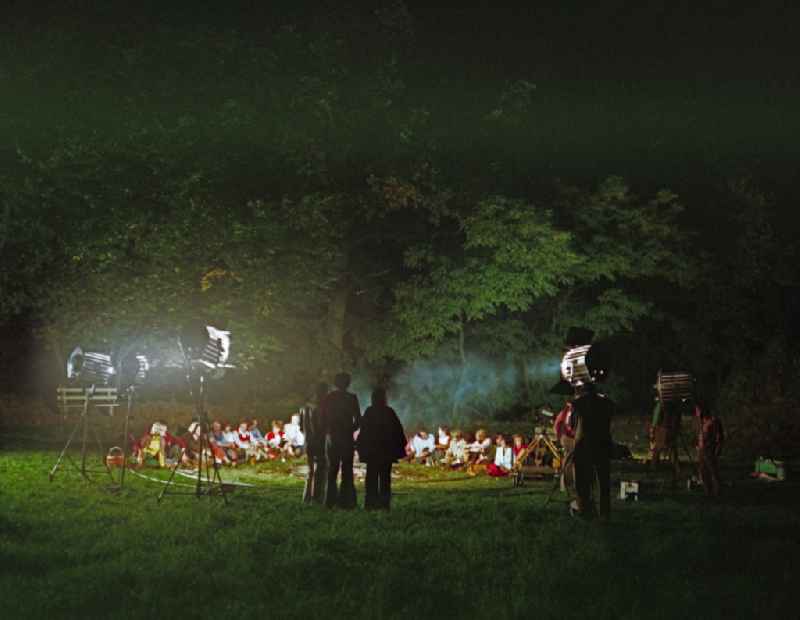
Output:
x=771 y=467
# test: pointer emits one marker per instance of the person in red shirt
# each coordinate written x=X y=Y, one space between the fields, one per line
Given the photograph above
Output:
x=709 y=447
x=565 y=436
x=275 y=440
x=518 y=447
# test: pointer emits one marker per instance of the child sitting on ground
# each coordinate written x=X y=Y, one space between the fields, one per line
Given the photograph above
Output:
x=456 y=454
x=295 y=439
x=442 y=443
x=255 y=433
x=423 y=446
x=252 y=451
x=518 y=447
x=151 y=444
x=503 y=458
x=478 y=452
x=231 y=437
x=224 y=451
x=276 y=440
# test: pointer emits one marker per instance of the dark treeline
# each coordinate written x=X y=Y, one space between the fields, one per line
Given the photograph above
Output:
x=416 y=194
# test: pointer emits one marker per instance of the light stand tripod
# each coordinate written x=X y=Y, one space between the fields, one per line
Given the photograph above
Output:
x=131 y=391
x=207 y=483
x=83 y=425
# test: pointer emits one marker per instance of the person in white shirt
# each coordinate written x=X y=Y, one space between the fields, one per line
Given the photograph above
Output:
x=503 y=458
x=294 y=437
x=442 y=443
x=456 y=454
x=423 y=446
x=244 y=441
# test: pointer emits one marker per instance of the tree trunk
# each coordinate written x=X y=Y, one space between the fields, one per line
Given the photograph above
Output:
x=336 y=320
x=55 y=343
x=5 y=225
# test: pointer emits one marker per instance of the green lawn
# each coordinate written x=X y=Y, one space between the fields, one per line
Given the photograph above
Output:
x=451 y=547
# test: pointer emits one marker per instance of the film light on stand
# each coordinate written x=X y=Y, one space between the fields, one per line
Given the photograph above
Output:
x=90 y=368
x=582 y=362
x=674 y=386
x=206 y=346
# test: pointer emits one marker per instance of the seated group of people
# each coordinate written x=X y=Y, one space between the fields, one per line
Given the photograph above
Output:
x=475 y=453
x=226 y=445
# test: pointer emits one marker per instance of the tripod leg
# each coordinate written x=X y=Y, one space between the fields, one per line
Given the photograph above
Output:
x=64 y=451
x=200 y=456
x=218 y=480
x=125 y=444
x=556 y=487
x=171 y=477
x=84 y=438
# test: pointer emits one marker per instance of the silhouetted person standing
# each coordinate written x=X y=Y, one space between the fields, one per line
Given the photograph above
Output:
x=381 y=442
x=709 y=447
x=592 y=453
x=341 y=415
x=312 y=427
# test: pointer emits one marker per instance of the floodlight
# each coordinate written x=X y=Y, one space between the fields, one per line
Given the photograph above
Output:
x=674 y=386
x=206 y=346
x=573 y=365
x=133 y=369
x=582 y=362
x=90 y=368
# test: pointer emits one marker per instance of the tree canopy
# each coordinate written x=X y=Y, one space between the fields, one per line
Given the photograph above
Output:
x=308 y=184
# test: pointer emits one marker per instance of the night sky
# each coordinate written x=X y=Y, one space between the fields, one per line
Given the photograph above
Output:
x=666 y=90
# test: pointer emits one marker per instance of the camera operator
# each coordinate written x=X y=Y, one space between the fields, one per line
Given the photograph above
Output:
x=592 y=453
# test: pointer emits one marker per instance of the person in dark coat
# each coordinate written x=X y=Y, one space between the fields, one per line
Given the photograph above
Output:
x=592 y=452
x=311 y=427
x=341 y=415
x=381 y=442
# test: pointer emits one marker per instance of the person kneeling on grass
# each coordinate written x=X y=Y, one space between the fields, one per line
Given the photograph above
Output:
x=423 y=446
x=503 y=458
x=381 y=442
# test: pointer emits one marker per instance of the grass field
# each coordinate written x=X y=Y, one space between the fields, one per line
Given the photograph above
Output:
x=451 y=547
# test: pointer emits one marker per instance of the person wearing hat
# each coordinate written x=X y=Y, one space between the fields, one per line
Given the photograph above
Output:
x=341 y=416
